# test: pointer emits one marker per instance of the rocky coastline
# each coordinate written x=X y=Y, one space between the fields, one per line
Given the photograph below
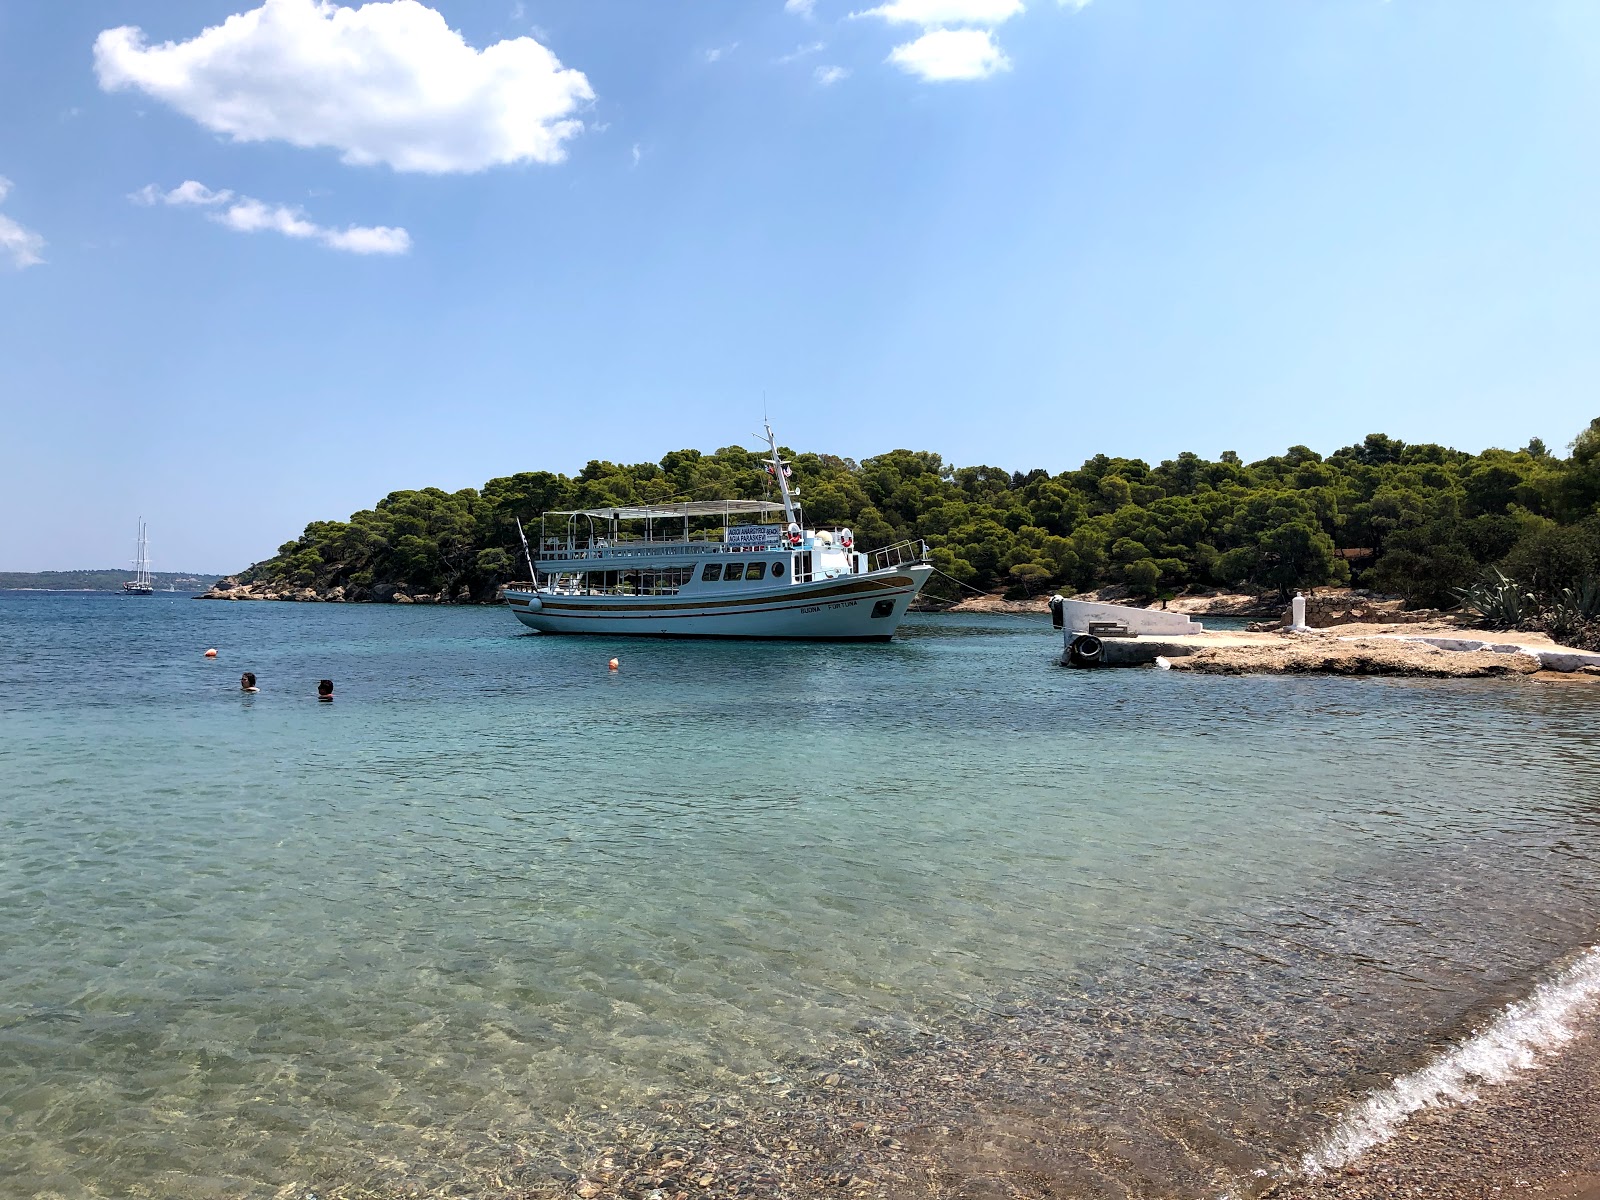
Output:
x=233 y=588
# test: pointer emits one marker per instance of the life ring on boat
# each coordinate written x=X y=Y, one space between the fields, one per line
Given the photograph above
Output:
x=1085 y=650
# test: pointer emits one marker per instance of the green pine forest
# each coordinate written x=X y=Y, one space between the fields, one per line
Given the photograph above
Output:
x=1417 y=520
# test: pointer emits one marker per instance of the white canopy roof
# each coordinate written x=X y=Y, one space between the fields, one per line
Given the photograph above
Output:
x=686 y=508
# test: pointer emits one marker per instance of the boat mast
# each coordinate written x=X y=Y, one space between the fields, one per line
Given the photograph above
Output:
x=533 y=571
x=791 y=507
x=141 y=561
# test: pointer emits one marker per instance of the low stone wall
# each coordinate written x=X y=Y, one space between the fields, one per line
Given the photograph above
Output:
x=1328 y=609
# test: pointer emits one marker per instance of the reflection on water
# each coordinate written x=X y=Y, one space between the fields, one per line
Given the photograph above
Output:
x=251 y=940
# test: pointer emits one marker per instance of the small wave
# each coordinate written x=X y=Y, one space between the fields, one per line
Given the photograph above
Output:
x=1514 y=1041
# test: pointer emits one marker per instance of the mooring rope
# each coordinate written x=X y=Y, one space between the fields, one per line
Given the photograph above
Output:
x=958 y=583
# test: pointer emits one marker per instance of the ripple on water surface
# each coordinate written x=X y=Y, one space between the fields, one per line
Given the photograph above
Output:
x=1181 y=921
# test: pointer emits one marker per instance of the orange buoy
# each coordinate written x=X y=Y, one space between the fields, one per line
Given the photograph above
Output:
x=211 y=653
x=614 y=664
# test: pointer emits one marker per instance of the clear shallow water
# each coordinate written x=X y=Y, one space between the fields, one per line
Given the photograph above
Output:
x=244 y=940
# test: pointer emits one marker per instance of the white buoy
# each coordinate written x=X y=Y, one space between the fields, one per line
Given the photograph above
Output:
x=1297 y=610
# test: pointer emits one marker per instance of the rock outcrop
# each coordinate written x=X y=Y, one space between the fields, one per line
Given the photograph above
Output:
x=230 y=588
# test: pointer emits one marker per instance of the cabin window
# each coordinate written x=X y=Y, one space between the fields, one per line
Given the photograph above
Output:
x=755 y=570
x=711 y=572
x=777 y=570
x=802 y=567
x=733 y=571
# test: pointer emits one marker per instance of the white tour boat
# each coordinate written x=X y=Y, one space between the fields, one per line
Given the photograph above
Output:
x=647 y=570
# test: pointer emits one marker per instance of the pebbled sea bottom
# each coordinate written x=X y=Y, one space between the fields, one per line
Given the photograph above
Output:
x=1135 y=932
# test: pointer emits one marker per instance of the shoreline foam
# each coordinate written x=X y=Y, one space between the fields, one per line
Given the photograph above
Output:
x=1524 y=1036
x=1536 y=1135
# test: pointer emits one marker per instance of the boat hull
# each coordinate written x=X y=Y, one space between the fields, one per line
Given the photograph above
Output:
x=847 y=608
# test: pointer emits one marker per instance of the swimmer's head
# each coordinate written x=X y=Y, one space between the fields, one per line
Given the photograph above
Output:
x=325 y=690
x=247 y=680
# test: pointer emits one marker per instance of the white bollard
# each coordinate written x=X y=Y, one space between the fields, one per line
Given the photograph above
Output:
x=1297 y=610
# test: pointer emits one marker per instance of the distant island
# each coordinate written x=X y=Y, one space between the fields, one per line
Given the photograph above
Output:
x=109 y=580
x=1413 y=520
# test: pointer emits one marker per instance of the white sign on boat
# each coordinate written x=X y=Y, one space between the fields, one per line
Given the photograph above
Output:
x=752 y=535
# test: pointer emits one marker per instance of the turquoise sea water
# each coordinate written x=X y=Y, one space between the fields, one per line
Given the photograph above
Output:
x=248 y=941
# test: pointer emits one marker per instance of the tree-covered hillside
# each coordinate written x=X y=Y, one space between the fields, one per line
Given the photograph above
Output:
x=1419 y=520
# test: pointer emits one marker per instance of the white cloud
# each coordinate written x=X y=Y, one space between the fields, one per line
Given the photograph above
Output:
x=799 y=8
x=186 y=193
x=389 y=82
x=928 y=13
x=804 y=50
x=245 y=214
x=638 y=153
x=17 y=242
x=720 y=52
x=943 y=55
x=828 y=76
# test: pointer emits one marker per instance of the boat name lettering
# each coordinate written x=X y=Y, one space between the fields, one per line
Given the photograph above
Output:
x=750 y=535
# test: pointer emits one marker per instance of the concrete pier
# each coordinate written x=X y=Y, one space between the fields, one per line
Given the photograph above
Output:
x=1456 y=653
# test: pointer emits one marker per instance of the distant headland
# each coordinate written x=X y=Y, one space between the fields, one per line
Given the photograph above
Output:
x=108 y=580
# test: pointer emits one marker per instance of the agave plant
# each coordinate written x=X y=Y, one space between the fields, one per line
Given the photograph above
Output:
x=1500 y=602
x=1572 y=609
x=1583 y=600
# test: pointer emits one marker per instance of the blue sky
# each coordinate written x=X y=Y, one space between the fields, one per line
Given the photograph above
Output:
x=272 y=271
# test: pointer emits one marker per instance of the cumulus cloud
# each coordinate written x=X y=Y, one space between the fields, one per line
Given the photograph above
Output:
x=828 y=76
x=388 y=82
x=929 y=13
x=957 y=39
x=799 y=8
x=244 y=214
x=17 y=242
x=943 y=55
x=187 y=192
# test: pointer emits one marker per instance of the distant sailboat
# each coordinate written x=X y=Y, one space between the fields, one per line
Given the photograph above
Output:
x=140 y=584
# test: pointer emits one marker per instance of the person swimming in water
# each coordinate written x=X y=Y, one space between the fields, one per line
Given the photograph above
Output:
x=247 y=682
x=325 y=690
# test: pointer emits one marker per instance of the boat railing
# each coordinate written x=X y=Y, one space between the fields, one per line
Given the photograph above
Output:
x=901 y=554
x=573 y=553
